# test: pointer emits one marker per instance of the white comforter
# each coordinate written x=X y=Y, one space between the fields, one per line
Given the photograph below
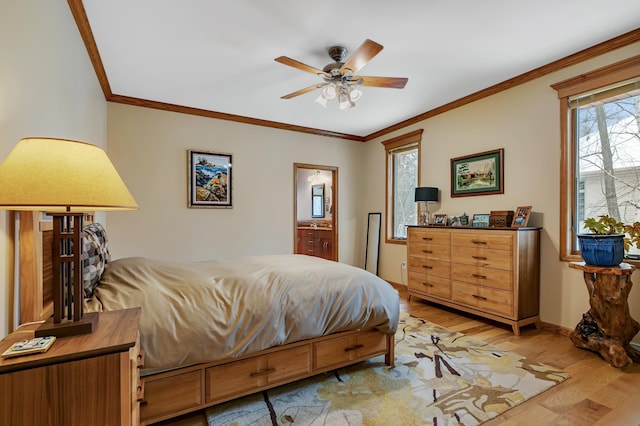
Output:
x=204 y=311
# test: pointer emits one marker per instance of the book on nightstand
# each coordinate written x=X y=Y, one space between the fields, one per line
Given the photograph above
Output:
x=32 y=346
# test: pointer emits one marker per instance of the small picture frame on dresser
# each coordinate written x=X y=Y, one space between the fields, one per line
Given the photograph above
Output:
x=440 y=219
x=521 y=217
x=480 y=220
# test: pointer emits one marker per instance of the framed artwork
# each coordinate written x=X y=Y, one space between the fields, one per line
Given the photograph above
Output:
x=521 y=216
x=478 y=174
x=210 y=179
x=440 y=219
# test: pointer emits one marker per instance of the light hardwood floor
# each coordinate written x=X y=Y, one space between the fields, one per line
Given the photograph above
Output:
x=596 y=394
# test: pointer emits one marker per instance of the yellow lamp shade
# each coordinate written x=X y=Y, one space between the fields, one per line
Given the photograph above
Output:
x=56 y=175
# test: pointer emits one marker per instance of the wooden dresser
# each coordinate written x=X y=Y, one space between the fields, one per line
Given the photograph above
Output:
x=90 y=379
x=490 y=272
x=315 y=242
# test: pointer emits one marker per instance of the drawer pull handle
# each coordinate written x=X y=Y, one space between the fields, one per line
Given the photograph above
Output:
x=427 y=238
x=427 y=285
x=427 y=267
x=427 y=251
x=140 y=393
x=140 y=359
x=479 y=297
x=483 y=277
x=353 y=348
x=479 y=257
x=263 y=372
x=478 y=242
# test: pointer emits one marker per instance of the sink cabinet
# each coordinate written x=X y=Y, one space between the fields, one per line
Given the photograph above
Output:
x=315 y=242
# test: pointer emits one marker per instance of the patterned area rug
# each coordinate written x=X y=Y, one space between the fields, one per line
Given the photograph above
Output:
x=440 y=377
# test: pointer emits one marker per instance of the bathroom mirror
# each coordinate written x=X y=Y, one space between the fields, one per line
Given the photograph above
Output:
x=317 y=200
x=373 y=243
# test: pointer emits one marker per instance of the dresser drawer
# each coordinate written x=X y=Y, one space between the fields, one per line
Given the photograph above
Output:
x=499 y=259
x=336 y=352
x=488 y=277
x=171 y=394
x=310 y=234
x=432 y=236
x=494 y=241
x=499 y=302
x=430 y=284
x=431 y=251
x=440 y=268
x=241 y=377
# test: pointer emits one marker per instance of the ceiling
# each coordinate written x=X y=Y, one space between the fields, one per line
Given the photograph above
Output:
x=218 y=56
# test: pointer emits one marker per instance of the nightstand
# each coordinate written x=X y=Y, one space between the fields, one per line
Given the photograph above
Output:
x=90 y=379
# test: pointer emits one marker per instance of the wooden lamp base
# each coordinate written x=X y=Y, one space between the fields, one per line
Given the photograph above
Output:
x=85 y=325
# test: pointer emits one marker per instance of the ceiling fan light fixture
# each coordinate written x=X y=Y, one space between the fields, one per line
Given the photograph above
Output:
x=340 y=77
x=354 y=93
x=329 y=91
x=321 y=100
x=343 y=101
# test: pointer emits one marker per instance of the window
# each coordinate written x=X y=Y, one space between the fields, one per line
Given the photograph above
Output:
x=403 y=175
x=600 y=149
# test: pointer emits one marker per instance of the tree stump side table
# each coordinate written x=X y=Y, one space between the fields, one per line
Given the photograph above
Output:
x=607 y=328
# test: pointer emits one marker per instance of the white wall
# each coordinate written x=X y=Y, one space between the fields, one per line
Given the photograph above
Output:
x=47 y=88
x=149 y=149
x=525 y=121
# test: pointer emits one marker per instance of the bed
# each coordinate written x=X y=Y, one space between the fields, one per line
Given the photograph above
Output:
x=216 y=330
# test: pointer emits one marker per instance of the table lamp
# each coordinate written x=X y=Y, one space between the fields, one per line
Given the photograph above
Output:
x=66 y=179
x=426 y=195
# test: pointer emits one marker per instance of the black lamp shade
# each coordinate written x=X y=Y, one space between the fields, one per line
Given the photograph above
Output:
x=426 y=193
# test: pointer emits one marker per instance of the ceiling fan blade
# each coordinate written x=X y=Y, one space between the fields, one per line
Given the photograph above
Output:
x=299 y=65
x=389 y=82
x=303 y=91
x=361 y=56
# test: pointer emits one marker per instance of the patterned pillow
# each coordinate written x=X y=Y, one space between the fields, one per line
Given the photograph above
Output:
x=95 y=256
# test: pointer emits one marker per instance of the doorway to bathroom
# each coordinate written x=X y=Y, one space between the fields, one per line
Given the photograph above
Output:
x=315 y=201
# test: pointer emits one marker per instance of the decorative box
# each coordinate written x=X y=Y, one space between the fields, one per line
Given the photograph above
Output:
x=501 y=218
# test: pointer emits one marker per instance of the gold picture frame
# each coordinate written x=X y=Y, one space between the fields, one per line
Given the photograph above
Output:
x=521 y=217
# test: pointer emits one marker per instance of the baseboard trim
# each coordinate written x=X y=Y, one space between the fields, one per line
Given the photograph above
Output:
x=396 y=285
x=554 y=328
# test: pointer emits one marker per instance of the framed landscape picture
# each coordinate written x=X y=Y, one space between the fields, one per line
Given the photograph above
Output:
x=478 y=174
x=210 y=179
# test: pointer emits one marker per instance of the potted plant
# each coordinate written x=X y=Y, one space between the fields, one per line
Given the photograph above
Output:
x=607 y=241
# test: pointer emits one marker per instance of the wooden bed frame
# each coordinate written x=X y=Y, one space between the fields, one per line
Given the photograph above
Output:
x=168 y=394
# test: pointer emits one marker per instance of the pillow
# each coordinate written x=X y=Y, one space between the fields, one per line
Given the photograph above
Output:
x=95 y=255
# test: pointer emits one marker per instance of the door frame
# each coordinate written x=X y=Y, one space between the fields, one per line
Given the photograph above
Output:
x=334 y=198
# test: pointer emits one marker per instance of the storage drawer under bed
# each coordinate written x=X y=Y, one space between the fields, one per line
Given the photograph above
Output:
x=234 y=379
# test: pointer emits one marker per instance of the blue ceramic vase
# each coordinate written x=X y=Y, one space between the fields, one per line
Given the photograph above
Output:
x=602 y=250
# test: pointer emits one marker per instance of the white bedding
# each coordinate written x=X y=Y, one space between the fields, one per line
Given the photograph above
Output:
x=204 y=311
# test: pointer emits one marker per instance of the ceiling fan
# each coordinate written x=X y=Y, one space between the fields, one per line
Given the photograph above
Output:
x=339 y=77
